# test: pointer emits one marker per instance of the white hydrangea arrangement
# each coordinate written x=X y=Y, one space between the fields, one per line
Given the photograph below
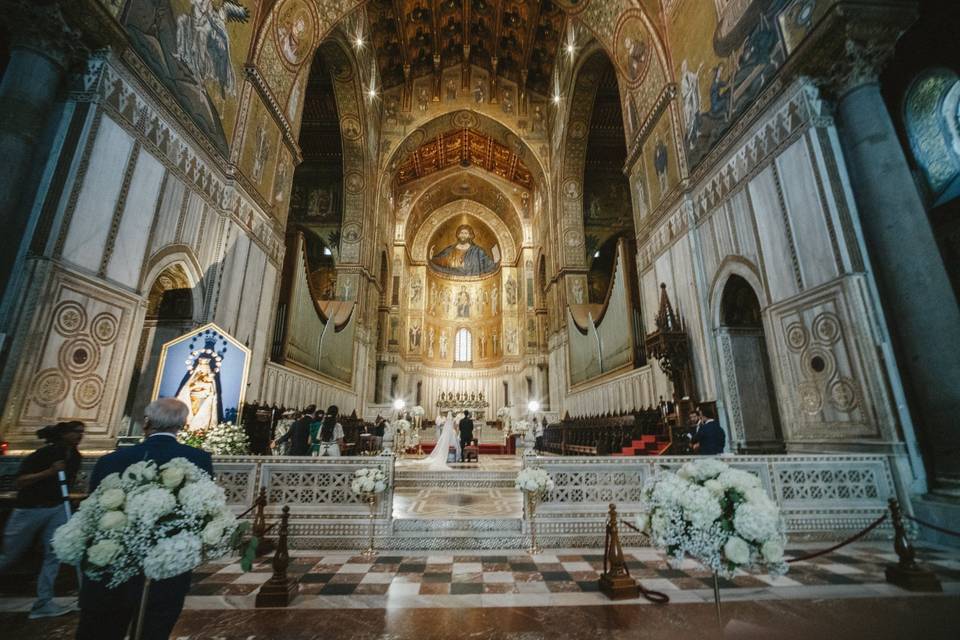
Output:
x=534 y=480
x=226 y=439
x=718 y=515
x=417 y=411
x=401 y=425
x=519 y=427
x=157 y=521
x=367 y=482
x=503 y=412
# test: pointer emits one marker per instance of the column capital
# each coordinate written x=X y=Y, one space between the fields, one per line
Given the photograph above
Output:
x=852 y=44
x=40 y=26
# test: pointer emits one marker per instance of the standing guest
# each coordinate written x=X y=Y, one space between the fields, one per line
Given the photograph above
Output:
x=538 y=428
x=329 y=435
x=379 y=428
x=708 y=439
x=298 y=435
x=106 y=614
x=40 y=511
x=466 y=432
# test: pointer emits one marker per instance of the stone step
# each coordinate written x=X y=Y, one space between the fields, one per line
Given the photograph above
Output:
x=456 y=479
x=465 y=526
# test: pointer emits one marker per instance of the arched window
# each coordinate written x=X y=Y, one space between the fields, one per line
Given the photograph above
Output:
x=462 y=346
x=931 y=114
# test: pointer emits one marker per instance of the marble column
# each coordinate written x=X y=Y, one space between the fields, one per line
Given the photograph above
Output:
x=918 y=300
x=41 y=45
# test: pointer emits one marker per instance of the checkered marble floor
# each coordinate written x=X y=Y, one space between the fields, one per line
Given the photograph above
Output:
x=555 y=578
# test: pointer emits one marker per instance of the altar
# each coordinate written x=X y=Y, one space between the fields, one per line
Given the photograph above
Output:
x=457 y=402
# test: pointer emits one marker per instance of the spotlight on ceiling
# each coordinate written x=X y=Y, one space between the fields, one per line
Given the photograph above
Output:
x=571 y=49
x=533 y=406
x=358 y=42
x=556 y=98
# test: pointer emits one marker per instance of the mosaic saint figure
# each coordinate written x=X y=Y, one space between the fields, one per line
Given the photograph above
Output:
x=463 y=304
x=463 y=257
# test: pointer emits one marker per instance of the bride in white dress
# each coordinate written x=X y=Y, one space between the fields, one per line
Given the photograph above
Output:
x=437 y=460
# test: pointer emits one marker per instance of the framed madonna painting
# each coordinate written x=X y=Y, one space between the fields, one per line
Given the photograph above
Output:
x=207 y=370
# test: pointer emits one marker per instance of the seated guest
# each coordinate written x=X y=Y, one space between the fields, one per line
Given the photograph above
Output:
x=106 y=614
x=40 y=511
x=708 y=439
x=327 y=439
x=298 y=435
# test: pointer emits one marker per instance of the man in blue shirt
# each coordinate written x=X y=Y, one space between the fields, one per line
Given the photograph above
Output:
x=708 y=439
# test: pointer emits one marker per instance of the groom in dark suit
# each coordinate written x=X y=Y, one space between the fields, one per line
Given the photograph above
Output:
x=466 y=433
x=106 y=614
x=709 y=438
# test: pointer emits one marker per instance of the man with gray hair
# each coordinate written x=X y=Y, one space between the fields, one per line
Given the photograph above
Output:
x=106 y=614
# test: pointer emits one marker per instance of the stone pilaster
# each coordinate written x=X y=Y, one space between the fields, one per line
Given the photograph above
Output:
x=41 y=48
x=846 y=58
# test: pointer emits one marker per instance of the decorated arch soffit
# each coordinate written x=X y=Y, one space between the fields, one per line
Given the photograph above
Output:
x=470 y=184
x=456 y=121
x=455 y=211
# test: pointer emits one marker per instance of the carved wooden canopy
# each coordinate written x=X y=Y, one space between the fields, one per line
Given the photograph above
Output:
x=514 y=39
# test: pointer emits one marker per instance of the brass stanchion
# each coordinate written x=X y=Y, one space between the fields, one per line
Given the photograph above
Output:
x=279 y=590
x=907 y=574
x=531 y=511
x=615 y=581
x=370 y=552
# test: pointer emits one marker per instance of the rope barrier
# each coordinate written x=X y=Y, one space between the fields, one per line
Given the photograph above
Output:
x=656 y=597
x=876 y=523
x=932 y=526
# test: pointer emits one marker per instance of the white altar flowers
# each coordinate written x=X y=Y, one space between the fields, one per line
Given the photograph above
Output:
x=535 y=481
x=401 y=425
x=368 y=482
x=718 y=515
x=417 y=411
x=159 y=522
x=223 y=439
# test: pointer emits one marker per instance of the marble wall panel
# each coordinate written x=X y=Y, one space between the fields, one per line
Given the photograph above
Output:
x=743 y=225
x=231 y=281
x=126 y=259
x=251 y=294
x=773 y=233
x=102 y=182
x=802 y=196
x=190 y=223
x=80 y=361
x=168 y=213
x=830 y=380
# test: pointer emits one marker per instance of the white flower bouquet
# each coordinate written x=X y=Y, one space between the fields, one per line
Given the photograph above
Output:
x=417 y=411
x=367 y=482
x=534 y=480
x=157 y=521
x=503 y=412
x=401 y=425
x=226 y=439
x=718 y=515
x=519 y=427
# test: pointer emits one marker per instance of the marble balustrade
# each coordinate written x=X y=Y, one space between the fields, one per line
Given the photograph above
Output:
x=823 y=496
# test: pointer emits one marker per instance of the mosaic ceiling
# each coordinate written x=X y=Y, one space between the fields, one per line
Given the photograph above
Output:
x=515 y=39
x=464 y=147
